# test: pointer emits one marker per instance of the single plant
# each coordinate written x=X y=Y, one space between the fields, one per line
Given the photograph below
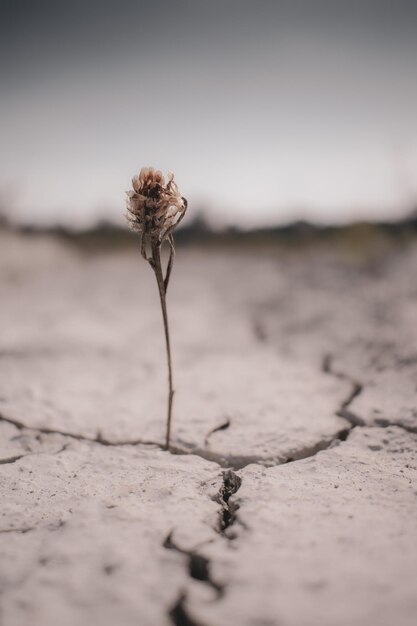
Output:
x=154 y=209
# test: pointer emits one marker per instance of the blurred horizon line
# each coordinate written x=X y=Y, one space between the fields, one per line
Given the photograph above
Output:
x=201 y=224
x=215 y=219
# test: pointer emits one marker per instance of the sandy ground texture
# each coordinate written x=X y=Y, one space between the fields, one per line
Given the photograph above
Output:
x=290 y=494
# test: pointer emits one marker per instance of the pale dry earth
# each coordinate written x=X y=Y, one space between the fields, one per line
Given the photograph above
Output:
x=290 y=495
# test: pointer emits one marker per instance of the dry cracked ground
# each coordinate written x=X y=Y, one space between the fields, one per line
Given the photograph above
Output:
x=290 y=495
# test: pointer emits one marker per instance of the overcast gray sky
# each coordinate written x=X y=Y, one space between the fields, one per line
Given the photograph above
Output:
x=265 y=110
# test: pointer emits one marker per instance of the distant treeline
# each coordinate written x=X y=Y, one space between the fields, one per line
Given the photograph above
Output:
x=197 y=231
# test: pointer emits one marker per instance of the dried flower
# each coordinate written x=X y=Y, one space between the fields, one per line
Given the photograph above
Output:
x=154 y=209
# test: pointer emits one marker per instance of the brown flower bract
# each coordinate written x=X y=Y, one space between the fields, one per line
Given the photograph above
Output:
x=154 y=208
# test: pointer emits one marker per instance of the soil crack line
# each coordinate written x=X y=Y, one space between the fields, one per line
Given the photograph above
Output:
x=11 y=459
x=179 y=614
x=226 y=461
x=229 y=507
x=222 y=426
x=384 y=423
x=22 y=531
x=98 y=439
x=237 y=462
x=198 y=565
x=356 y=390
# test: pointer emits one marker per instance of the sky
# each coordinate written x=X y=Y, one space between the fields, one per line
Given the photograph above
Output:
x=266 y=110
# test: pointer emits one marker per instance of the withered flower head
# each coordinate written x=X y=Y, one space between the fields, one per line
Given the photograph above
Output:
x=154 y=208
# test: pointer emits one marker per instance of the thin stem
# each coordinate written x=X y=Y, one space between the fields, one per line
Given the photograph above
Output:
x=162 y=285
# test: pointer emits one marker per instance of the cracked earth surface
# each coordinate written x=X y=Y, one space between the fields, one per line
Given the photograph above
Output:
x=290 y=495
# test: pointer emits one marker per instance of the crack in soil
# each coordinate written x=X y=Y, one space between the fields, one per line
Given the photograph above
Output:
x=324 y=444
x=224 y=426
x=357 y=388
x=198 y=565
x=224 y=461
x=229 y=507
x=179 y=614
x=97 y=439
x=11 y=459
x=235 y=462
x=384 y=423
x=17 y=530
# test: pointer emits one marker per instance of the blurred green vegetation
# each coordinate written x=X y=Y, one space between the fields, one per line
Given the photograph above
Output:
x=359 y=239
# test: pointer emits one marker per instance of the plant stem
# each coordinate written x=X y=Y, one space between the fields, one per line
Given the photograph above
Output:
x=162 y=287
